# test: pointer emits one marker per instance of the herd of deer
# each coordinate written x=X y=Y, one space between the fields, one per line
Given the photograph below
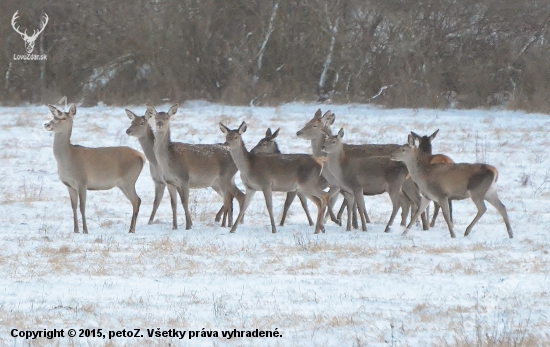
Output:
x=410 y=174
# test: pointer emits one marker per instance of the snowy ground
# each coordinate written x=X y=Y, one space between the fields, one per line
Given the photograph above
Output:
x=337 y=289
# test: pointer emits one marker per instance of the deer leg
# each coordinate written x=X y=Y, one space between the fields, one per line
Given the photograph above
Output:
x=341 y=211
x=354 y=215
x=303 y=201
x=219 y=214
x=268 y=195
x=360 y=203
x=74 y=204
x=367 y=219
x=225 y=208
x=172 y=191
x=394 y=196
x=183 y=190
x=349 y=201
x=423 y=203
x=130 y=193
x=237 y=194
x=436 y=212
x=444 y=204
x=492 y=197
x=481 y=208
x=333 y=197
x=82 y=197
x=159 y=192
x=288 y=201
x=247 y=199
x=320 y=199
x=405 y=205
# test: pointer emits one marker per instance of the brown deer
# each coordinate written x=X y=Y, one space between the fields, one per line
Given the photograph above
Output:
x=358 y=175
x=83 y=168
x=269 y=145
x=187 y=166
x=425 y=145
x=275 y=172
x=443 y=182
x=141 y=129
x=318 y=127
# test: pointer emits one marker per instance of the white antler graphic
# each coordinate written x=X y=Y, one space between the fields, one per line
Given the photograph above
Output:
x=29 y=40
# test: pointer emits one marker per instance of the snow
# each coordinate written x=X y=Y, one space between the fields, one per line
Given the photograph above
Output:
x=337 y=289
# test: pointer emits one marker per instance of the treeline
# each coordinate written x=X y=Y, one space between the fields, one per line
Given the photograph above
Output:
x=397 y=53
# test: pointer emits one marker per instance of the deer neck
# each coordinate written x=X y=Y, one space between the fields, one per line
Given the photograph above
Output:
x=417 y=167
x=241 y=157
x=316 y=145
x=147 y=143
x=62 y=145
x=335 y=161
x=162 y=144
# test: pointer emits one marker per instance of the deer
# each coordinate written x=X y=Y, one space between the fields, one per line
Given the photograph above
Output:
x=141 y=130
x=29 y=40
x=275 y=172
x=425 y=145
x=101 y=168
x=315 y=131
x=269 y=145
x=446 y=181
x=189 y=166
x=359 y=175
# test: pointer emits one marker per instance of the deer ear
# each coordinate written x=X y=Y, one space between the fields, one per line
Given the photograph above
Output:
x=55 y=112
x=432 y=136
x=410 y=139
x=224 y=129
x=341 y=133
x=172 y=111
x=276 y=133
x=130 y=114
x=151 y=112
x=329 y=118
x=318 y=114
x=416 y=135
x=268 y=132
x=242 y=128
x=72 y=111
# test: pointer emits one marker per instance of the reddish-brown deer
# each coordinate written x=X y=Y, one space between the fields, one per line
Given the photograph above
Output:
x=269 y=145
x=319 y=126
x=187 y=166
x=425 y=145
x=275 y=172
x=83 y=168
x=443 y=182
x=141 y=129
x=358 y=175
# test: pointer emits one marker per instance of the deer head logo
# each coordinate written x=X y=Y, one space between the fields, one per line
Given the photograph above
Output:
x=29 y=40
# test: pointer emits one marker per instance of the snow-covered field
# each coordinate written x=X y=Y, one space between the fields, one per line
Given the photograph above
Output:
x=336 y=289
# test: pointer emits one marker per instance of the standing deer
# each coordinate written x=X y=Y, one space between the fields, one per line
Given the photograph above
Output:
x=269 y=145
x=443 y=182
x=357 y=175
x=141 y=129
x=275 y=172
x=83 y=168
x=425 y=145
x=319 y=126
x=186 y=166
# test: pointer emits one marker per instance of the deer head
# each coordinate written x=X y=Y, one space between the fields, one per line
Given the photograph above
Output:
x=29 y=40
